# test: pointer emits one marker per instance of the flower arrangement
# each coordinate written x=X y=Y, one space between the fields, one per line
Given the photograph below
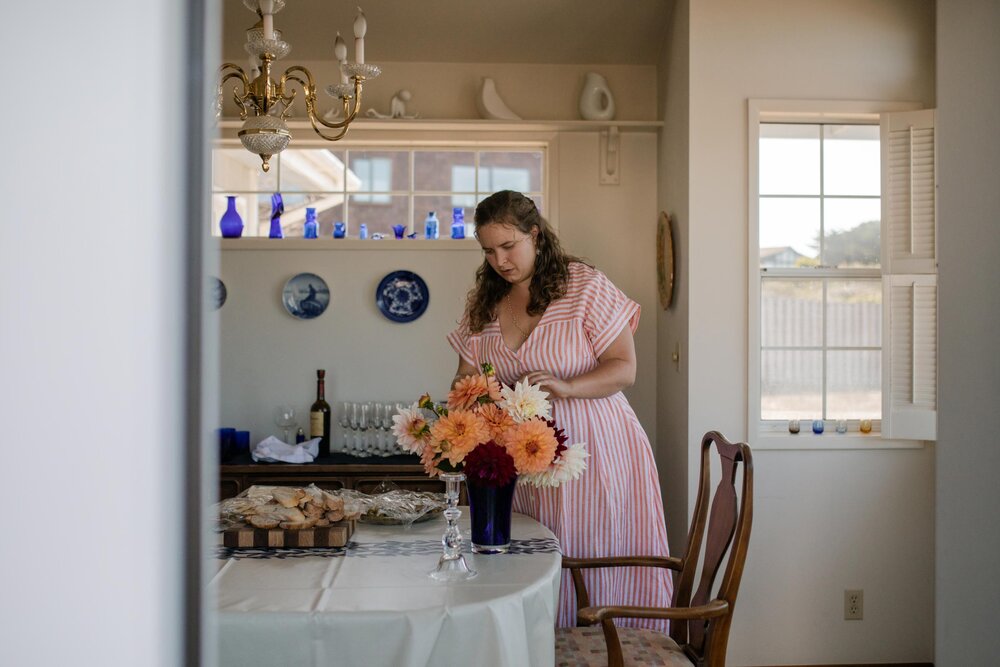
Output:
x=492 y=433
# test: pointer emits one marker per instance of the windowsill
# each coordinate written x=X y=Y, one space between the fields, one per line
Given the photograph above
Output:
x=827 y=440
x=355 y=245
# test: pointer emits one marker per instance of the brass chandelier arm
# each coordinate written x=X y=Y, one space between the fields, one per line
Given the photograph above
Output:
x=236 y=72
x=309 y=89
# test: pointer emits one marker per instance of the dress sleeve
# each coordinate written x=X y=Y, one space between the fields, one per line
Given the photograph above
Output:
x=461 y=342
x=606 y=312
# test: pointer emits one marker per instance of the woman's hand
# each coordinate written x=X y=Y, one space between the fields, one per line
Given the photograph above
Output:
x=615 y=371
x=557 y=387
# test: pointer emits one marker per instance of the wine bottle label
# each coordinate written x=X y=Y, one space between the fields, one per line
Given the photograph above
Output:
x=315 y=424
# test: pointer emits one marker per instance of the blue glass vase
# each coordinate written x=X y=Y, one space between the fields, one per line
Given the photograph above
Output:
x=489 y=512
x=277 y=208
x=231 y=224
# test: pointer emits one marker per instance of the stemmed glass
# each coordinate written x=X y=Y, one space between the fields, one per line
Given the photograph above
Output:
x=389 y=445
x=364 y=421
x=284 y=416
x=452 y=566
x=345 y=423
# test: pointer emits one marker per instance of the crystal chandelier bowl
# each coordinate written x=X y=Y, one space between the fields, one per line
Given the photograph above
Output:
x=265 y=136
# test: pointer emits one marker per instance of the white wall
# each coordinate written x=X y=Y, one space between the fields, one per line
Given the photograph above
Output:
x=824 y=521
x=537 y=91
x=91 y=341
x=968 y=571
x=268 y=357
x=672 y=194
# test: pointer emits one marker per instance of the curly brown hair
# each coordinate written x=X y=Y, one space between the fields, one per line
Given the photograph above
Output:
x=551 y=273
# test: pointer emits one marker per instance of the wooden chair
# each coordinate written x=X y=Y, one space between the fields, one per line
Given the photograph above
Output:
x=699 y=628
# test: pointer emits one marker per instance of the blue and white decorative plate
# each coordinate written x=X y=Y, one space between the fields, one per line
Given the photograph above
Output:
x=217 y=292
x=305 y=296
x=402 y=296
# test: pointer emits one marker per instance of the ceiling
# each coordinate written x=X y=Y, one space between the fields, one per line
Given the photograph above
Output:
x=473 y=31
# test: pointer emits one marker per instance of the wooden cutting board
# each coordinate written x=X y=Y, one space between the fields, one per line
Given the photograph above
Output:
x=334 y=535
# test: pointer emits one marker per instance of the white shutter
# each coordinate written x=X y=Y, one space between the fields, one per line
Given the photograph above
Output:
x=909 y=282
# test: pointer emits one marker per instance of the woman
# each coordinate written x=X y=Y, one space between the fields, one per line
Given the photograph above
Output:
x=542 y=316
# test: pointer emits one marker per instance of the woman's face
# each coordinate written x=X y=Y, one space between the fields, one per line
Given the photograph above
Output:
x=508 y=250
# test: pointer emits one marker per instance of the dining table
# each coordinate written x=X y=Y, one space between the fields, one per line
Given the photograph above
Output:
x=372 y=602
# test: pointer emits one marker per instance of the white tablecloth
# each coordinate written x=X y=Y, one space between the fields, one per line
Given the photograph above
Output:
x=372 y=604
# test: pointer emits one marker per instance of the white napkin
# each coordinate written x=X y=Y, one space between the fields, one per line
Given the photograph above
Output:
x=272 y=450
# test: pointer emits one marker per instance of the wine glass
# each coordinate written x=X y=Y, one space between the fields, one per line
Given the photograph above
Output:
x=344 y=419
x=284 y=416
x=364 y=421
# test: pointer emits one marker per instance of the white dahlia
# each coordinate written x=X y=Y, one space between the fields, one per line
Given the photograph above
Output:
x=525 y=401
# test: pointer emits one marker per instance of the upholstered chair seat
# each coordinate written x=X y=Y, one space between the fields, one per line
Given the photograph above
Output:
x=586 y=647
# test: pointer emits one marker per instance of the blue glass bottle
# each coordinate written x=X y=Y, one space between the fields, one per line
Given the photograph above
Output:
x=458 y=223
x=231 y=224
x=362 y=231
x=310 y=229
x=431 y=226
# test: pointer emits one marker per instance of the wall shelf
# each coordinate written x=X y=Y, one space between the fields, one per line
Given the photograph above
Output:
x=353 y=245
x=475 y=125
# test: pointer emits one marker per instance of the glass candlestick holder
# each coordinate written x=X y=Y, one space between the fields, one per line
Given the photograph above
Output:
x=452 y=566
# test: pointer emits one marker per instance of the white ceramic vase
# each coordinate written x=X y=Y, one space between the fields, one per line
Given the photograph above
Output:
x=596 y=100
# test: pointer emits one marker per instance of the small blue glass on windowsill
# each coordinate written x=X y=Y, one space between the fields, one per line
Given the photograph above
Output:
x=339 y=230
x=458 y=223
x=362 y=231
x=398 y=230
x=817 y=426
x=310 y=229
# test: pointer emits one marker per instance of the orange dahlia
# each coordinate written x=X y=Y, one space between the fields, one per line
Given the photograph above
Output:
x=472 y=390
x=498 y=421
x=532 y=446
x=457 y=433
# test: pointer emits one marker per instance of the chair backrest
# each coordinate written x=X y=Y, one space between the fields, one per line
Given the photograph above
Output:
x=728 y=519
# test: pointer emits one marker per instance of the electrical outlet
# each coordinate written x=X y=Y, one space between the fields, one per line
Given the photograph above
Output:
x=854 y=605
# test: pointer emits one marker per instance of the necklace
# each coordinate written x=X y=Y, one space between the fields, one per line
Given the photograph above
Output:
x=513 y=319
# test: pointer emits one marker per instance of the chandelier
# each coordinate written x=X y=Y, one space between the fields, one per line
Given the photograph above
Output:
x=265 y=103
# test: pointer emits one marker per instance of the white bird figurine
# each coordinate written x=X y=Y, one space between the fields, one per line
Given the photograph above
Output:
x=490 y=105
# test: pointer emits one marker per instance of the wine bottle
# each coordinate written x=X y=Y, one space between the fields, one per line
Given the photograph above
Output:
x=319 y=416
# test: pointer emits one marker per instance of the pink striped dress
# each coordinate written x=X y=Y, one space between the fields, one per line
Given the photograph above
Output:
x=615 y=508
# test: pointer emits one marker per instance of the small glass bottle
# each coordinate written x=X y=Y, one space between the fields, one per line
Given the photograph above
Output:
x=458 y=223
x=431 y=226
x=362 y=231
x=311 y=229
x=300 y=436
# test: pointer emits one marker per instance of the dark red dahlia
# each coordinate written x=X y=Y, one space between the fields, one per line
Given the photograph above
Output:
x=560 y=435
x=489 y=464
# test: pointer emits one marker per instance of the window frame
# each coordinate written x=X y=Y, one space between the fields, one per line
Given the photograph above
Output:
x=412 y=142
x=774 y=434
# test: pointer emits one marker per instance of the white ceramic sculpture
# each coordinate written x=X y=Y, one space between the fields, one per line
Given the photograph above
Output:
x=397 y=107
x=596 y=101
x=490 y=105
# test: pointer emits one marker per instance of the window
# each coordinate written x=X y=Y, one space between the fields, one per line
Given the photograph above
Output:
x=820 y=282
x=819 y=288
x=378 y=186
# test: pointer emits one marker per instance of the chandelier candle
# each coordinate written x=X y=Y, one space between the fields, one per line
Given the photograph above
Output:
x=319 y=416
x=360 y=28
x=340 y=53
